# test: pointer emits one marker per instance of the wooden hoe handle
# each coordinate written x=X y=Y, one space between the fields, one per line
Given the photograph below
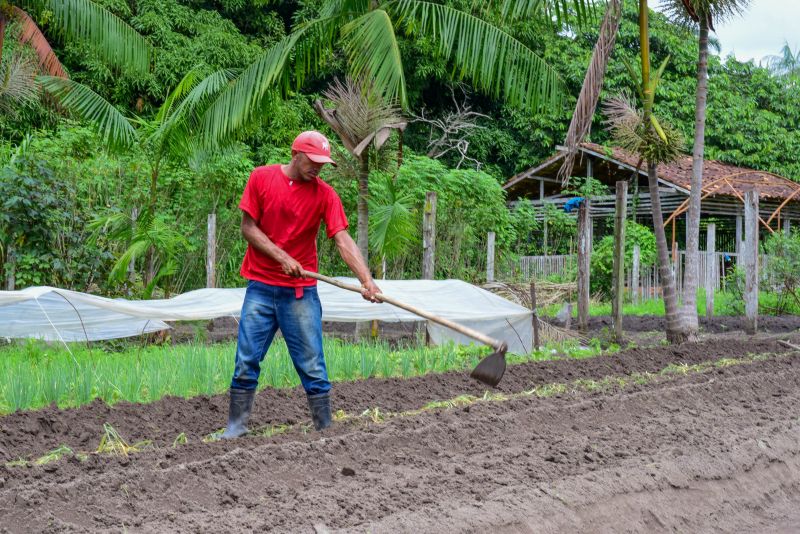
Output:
x=474 y=334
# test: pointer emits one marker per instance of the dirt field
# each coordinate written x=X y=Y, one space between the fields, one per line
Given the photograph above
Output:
x=715 y=325
x=712 y=451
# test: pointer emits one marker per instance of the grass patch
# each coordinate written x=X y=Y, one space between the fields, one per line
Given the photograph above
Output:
x=725 y=303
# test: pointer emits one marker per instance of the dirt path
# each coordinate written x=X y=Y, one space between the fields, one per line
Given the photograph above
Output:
x=707 y=451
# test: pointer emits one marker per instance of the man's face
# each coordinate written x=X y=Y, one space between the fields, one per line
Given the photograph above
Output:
x=307 y=169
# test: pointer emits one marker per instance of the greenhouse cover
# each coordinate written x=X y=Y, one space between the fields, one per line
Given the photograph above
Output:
x=62 y=315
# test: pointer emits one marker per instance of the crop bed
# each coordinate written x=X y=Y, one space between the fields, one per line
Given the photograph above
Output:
x=701 y=437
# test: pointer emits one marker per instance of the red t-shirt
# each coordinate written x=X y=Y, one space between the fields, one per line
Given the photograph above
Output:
x=289 y=212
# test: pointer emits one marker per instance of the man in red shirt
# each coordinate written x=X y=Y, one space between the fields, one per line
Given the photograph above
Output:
x=282 y=208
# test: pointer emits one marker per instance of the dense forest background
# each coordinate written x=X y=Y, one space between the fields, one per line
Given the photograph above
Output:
x=57 y=180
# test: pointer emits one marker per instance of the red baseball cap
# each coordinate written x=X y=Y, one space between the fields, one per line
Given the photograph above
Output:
x=315 y=146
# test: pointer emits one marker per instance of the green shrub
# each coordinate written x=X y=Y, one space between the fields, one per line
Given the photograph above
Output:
x=603 y=255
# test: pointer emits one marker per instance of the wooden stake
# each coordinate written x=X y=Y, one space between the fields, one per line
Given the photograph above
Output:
x=535 y=316
x=490 y=258
x=635 y=292
x=429 y=236
x=711 y=268
x=751 y=260
x=211 y=251
x=738 y=237
x=618 y=276
x=584 y=259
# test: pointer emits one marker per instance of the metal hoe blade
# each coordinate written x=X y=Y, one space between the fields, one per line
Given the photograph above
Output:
x=491 y=369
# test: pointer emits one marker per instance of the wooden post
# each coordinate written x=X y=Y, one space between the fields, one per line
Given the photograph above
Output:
x=132 y=264
x=711 y=268
x=490 y=258
x=429 y=236
x=751 y=260
x=618 y=274
x=11 y=266
x=544 y=231
x=635 y=292
x=738 y=238
x=535 y=316
x=541 y=189
x=584 y=259
x=211 y=251
x=787 y=226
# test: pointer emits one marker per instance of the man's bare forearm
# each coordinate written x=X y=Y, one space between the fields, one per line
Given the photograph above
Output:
x=352 y=256
x=259 y=240
x=263 y=244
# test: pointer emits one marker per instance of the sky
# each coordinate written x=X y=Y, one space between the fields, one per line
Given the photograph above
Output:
x=761 y=31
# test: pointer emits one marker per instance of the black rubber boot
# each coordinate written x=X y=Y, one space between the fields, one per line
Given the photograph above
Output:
x=320 y=406
x=239 y=412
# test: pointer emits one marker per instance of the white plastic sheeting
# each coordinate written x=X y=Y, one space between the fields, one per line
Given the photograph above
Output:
x=59 y=314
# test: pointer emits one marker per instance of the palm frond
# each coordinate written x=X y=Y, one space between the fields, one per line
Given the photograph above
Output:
x=391 y=221
x=17 y=83
x=236 y=106
x=32 y=35
x=113 y=39
x=179 y=118
x=360 y=114
x=687 y=13
x=655 y=142
x=115 y=129
x=585 y=106
x=563 y=11
x=498 y=64
x=371 y=47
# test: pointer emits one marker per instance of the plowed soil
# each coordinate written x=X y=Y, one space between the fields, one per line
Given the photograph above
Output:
x=713 y=451
x=713 y=325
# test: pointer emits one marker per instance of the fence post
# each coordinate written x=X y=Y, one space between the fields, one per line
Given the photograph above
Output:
x=11 y=266
x=618 y=275
x=738 y=237
x=637 y=253
x=429 y=236
x=535 y=316
x=711 y=268
x=211 y=251
x=584 y=258
x=751 y=260
x=132 y=264
x=490 y=258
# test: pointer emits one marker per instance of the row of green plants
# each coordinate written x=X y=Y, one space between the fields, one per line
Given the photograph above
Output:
x=34 y=374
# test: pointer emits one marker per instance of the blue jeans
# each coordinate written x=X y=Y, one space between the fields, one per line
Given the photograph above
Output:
x=267 y=308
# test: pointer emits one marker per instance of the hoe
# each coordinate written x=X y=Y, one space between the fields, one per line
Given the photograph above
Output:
x=489 y=371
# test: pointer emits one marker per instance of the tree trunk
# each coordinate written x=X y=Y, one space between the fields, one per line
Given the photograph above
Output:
x=691 y=277
x=362 y=237
x=674 y=331
x=584 y=264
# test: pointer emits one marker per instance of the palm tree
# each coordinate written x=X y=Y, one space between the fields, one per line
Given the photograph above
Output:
x=700 y=15
x=170 y=136
x=785 y=64
x=361 y=118
x=17 y=83
x=366 y=32
x=656 y=142
x=82 y=20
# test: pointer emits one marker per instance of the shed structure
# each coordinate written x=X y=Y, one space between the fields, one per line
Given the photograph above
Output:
x=724 y=187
